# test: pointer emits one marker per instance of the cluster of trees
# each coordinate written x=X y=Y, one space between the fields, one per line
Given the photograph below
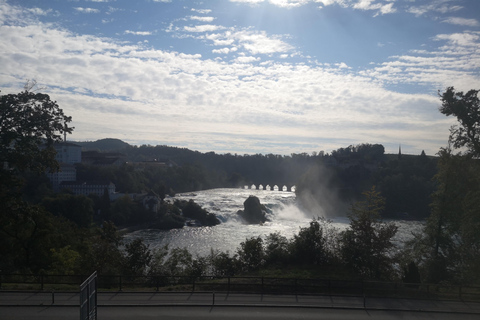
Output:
x=339 y=179
x=342 y=175
x=28 y=120
x=448 y=249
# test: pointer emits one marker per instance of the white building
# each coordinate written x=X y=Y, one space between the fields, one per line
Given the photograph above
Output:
x=87 y=188
x=67 y=155
x=67 y=172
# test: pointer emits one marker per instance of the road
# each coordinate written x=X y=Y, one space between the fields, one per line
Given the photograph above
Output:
x=219 y=312
x=208 y=305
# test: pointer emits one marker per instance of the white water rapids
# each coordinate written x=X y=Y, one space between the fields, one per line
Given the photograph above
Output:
x=285 y=218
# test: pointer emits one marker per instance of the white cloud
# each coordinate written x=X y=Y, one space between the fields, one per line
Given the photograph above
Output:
x=139 y=33
x=86 y=10
x=251 y=2
x=462 y=21
x=465 y=39
x=342 y=65
x=39 y=11
x=278 y=3
x=203 y=19
x=372 y=5
x=221 y=51
x=246 y=59
x=202 y=28
x=202 y=11
x=453 y=64
x=435 y=6
x=254 y=42
x=260 y=42
x=331 y=2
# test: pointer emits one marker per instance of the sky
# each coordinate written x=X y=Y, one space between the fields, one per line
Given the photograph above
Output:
x=247 y=76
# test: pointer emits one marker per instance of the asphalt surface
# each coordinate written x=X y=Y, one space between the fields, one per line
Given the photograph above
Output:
x=208 y=305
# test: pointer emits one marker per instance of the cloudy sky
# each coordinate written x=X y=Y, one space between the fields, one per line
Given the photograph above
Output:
x=247 y=76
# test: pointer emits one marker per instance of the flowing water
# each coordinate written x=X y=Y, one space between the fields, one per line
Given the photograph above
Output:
x=284 y=217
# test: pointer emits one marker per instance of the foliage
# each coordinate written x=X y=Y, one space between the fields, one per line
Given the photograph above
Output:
x=308 y=246
x=449 y=247
x=65 y=260
x=251 y=254
x=277 y=249
x=26 y=231
x=466 y=107
x=76 y=208
x=192 y=210
x=29 y=125
x=222 y=265
x=101 y=252
x=411 y=273
x=126 y=211
x=407 y=177
x=169 y=221
x=137 y=258
x=367 y=244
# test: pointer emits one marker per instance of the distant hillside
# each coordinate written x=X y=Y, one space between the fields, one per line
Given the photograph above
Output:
x=104 y=145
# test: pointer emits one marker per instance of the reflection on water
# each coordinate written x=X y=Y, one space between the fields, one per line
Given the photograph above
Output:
x=285 y=218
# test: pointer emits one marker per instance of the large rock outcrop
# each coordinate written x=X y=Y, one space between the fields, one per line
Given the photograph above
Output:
x=254 y=212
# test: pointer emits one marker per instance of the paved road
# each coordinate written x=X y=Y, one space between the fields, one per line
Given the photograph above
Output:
x=174 y=305
x=219 y=312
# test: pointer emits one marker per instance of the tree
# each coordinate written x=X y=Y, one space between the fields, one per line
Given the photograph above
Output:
x=466 y=107
x=367 y=243
x=29 y=125
x=277 y=249
x=76 y=208
x=221 y=264
x=137 y=258
x=251 y=254
x=309 y=245
x=102 y=251
x=449 y=247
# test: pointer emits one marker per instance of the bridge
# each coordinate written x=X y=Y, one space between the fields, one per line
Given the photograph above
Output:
x=270 y=188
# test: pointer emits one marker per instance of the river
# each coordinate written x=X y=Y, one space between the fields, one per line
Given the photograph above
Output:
x=285 y=217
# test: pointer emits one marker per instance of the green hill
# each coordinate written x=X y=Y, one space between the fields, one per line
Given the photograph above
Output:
x=107 y=144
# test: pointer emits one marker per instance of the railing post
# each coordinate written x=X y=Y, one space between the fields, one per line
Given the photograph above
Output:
x=53 y=296
x=213 y=298
x=262 y=286
x=41 y=282
x=193 y=285
x=228 y=285
x=120 y=282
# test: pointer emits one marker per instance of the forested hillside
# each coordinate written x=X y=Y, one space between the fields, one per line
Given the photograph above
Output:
x=325 y=182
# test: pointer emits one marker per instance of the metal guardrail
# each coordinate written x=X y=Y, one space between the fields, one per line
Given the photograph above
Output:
x=246 y=285
x=88 y=298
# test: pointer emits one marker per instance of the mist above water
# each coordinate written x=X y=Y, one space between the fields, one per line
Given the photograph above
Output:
x=285 y=217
